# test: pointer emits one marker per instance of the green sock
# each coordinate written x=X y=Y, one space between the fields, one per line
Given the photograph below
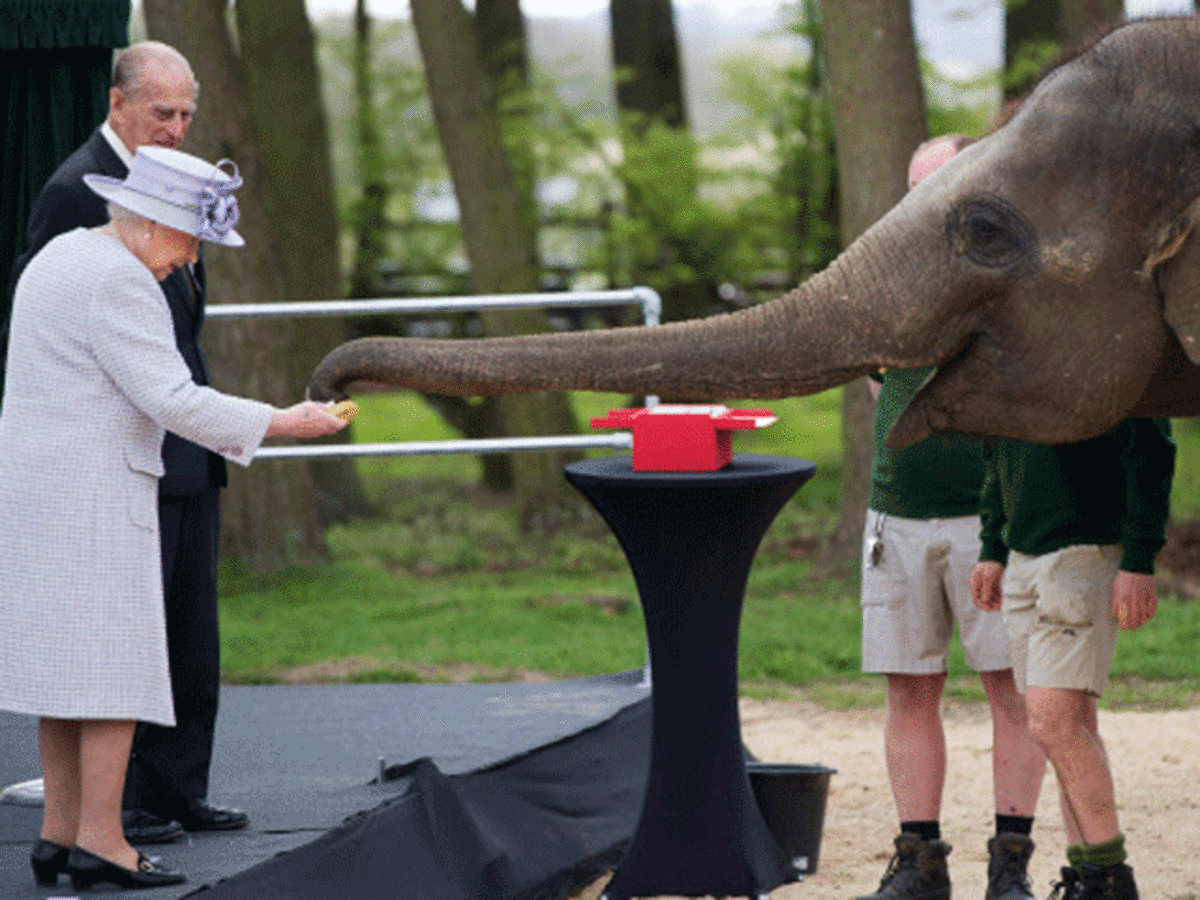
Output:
x=1110 y=853
x=1075 y=855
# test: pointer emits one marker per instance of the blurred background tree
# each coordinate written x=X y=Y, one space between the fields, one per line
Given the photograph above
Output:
x=1036 y=31
x=278 y=53
x=879 y=120
x=471 y=72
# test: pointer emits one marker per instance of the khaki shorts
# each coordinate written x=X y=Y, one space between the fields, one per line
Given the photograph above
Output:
x=915 y=587
x=1058 y=611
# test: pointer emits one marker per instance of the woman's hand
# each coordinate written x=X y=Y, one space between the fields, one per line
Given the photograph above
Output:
x=307 y=419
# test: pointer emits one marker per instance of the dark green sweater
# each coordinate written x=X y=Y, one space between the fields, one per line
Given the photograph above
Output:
x=1111 y=489
x=939 y=477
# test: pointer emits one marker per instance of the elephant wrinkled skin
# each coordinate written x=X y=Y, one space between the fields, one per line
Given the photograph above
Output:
x=1051 y=271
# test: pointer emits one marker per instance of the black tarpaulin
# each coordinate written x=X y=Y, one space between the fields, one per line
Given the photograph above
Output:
x=537 y=826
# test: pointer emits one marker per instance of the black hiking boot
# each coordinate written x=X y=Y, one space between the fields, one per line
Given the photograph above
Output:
x=1069 y=887
x=1008 y=865
x=1106 y=882
x=917 y=872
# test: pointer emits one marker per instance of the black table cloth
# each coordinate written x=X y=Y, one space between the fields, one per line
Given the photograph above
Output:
x=690 y=538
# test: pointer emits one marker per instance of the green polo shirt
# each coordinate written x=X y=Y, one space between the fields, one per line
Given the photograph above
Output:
x=936 y=478
x=1111 y=489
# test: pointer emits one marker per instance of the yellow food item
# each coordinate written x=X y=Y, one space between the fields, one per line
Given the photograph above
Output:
x=346 y=410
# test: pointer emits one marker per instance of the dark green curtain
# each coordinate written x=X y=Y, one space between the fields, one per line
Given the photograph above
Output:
x=55 y=69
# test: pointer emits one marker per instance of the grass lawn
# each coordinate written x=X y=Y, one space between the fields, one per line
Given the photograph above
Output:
x=441 y=586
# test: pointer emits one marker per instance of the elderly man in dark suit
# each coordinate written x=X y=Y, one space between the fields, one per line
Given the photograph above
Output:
x=151 y=102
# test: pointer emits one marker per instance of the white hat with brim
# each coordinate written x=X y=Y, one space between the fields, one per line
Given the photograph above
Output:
x=178 y=190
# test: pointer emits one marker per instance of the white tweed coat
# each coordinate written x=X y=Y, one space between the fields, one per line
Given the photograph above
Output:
x=93 y=379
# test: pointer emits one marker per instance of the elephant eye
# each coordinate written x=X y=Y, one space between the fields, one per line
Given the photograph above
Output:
x=991 y=233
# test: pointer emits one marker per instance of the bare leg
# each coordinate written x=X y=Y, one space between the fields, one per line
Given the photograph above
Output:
x=58 y=744
x=103 y=757
x=915 y=745
x=1018 y=764
x=1065 y=725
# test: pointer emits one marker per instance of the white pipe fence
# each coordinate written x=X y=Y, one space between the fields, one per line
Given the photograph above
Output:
x=621 y=440
x=645 y=297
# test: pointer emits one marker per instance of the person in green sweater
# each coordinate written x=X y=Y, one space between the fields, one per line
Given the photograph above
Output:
x=1069 y=534
x=920 y=547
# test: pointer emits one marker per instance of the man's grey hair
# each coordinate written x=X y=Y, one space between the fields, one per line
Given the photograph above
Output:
x=129 y=68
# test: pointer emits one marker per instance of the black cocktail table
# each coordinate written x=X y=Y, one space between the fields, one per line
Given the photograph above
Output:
x=690 y=539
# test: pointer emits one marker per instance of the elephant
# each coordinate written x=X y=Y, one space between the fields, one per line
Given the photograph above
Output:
x=1050 y=272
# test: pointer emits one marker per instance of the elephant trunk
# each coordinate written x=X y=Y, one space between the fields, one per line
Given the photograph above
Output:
x=836 y=326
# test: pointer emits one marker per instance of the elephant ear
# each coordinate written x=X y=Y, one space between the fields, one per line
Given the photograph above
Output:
x=1175 y=266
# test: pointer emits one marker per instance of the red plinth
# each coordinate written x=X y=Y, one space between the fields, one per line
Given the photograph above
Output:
x=682 y=438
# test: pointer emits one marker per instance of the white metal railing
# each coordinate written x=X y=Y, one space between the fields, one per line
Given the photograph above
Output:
x=645 y=297
x=621 y=440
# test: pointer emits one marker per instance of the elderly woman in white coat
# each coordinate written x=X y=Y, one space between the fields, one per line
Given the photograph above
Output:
x=94 y=379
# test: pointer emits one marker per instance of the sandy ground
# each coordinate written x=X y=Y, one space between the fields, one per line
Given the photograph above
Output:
x=1156 y=762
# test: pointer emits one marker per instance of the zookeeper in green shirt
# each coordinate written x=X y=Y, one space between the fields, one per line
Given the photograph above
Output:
x=1069 y=535
x=920 y=546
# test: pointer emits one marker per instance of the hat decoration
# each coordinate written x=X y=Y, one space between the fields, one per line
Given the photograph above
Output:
x=218 y=207
x=179 y=190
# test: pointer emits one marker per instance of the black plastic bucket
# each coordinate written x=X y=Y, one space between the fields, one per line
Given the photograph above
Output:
x=792 y=799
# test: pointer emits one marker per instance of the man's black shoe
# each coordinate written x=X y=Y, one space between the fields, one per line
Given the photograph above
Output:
x=142 y=827
x=199 y=816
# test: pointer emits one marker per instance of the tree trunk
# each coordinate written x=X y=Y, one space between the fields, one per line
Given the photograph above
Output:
x=473 y=418
x=647 y=60
x=369 y=219
x=809 y=171
x=878 y=120
x=269 y=515
x=649 y=75
x=499 y=233
x=283 y=89
x=500 y=28
x=1082 y=17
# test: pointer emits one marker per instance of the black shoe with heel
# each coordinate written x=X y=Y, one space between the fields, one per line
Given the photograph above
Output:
x=88 y=870
x=48 y=861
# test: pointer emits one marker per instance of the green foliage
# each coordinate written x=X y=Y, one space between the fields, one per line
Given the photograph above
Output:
x=741 y=215
x=1029 y=61
x=793 y=206
x=808 y=168
x=666 y=233
x=1185 y=488
x=447 y=527
x=406 y=154
x=955 y=106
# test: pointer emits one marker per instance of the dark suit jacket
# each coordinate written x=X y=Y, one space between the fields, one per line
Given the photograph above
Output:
x=64 y=203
